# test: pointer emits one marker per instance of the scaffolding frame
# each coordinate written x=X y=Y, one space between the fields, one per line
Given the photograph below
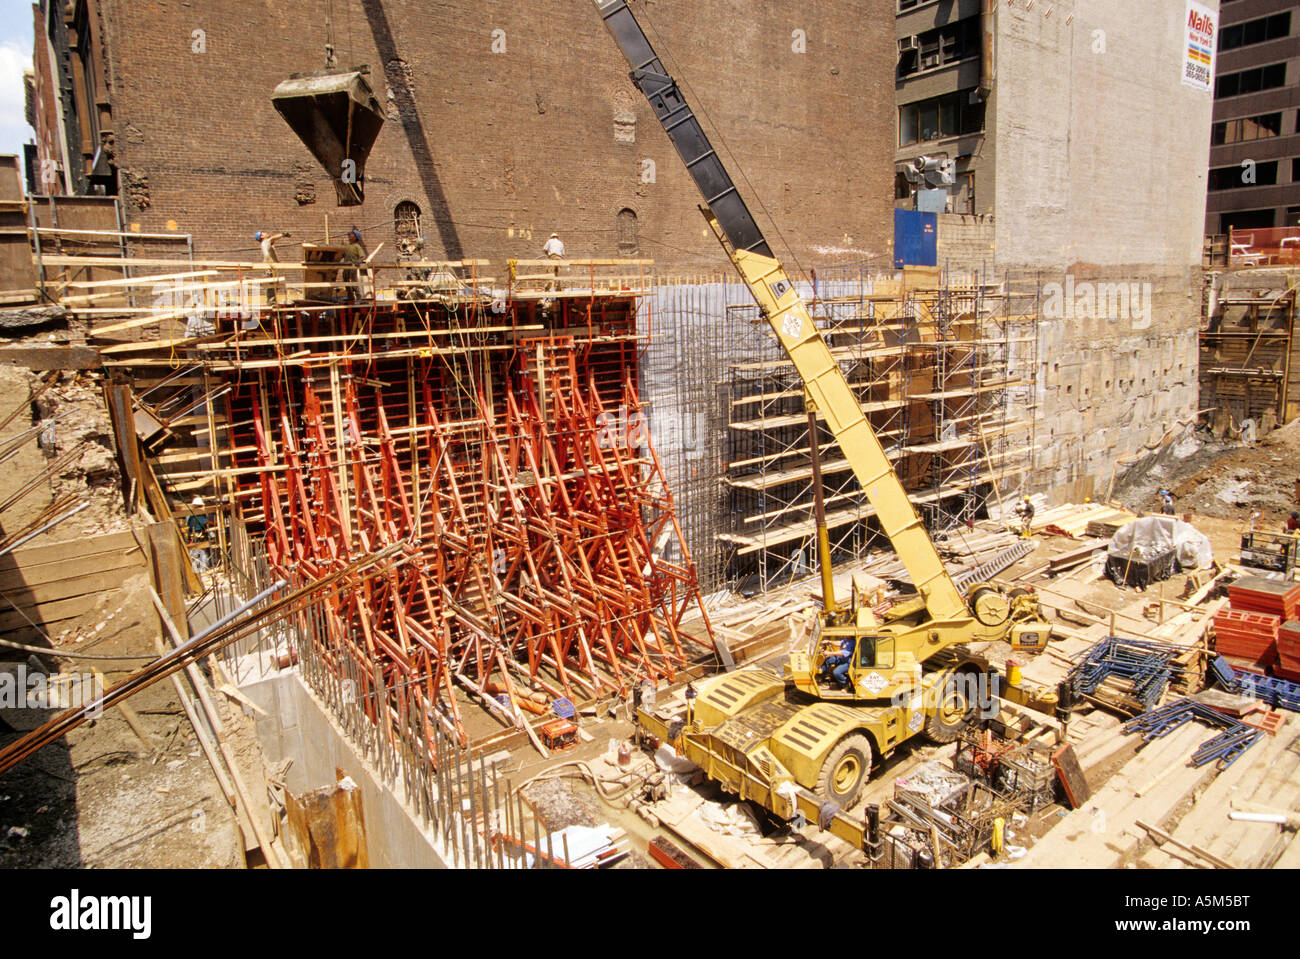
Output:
x=944 y=367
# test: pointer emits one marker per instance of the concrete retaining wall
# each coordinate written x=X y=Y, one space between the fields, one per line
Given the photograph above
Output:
x=297 y=726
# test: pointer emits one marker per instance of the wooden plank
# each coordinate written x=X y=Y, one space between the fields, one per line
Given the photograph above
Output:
x=28 y=577
x=51 y=357
x=66 y=588
x=48 y=615
x=169 y=561
x=32 y=556
x=160 y=507
x=1194 y=850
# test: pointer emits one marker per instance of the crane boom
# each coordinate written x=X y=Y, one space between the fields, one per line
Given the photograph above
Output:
x=788 y=315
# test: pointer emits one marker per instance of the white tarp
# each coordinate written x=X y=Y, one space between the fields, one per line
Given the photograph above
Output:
x=1153 y=536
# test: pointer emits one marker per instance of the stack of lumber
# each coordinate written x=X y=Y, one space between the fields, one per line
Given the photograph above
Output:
x=1288 y=651
x=584 y=847
x=976 y=546
x=1247 y=636
x=1075 y=558
x=1078 y=519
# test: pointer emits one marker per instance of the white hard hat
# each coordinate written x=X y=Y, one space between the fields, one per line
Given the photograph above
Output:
x=555 y=236
x=197 y=501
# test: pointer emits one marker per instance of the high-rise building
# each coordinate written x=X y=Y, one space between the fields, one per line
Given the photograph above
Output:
x=1066 y=139
x=1255 y=141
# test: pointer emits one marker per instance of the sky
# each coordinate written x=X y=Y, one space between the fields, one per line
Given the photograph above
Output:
x=15 y=57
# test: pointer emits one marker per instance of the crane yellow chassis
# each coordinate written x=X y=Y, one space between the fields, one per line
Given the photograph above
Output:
x=771 y=737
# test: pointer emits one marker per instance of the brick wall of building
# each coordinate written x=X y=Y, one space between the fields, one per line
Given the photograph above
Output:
x=500 y=148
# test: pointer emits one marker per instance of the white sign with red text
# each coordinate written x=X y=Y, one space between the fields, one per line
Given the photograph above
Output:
x=1201 y=31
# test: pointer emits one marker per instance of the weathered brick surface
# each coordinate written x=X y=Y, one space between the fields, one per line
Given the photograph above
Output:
x=498 y=149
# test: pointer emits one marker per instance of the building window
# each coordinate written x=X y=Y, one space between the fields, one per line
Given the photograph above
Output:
x=1255 y=31
x=1251 y=81
x=1293 y=216
x=1246 y=220
x=939 y=47
x=627 y=238
x=406 y=224
x=1247 y=128
x=963 y=197
x=947 y=116
x=1234 y=177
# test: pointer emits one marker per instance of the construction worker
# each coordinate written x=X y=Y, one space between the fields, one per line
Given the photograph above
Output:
x=354 y=254
x=554 y=247
x=1293 y=523
x=1166 y=502
x=1025 y=510
x=196 y=525
x=835 y=668
x=267 y=242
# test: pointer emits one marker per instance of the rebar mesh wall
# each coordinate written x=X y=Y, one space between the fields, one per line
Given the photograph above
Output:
x=944 y=366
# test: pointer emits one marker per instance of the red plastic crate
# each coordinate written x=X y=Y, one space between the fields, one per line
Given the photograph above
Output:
x=1260 y=595
x=1248 y=619
x=1284 y=673
x=1261 y=657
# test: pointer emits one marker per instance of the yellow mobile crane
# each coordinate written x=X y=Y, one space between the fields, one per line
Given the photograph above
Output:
x=771 y=737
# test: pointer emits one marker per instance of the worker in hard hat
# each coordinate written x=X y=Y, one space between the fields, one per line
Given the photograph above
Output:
x=1166 y=502
x=554 y=249
x=196 y=526
x=197 y=522
x=1025 y=510
x=267 y=242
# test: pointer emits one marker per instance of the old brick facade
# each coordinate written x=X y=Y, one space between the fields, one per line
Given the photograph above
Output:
x=499 y=148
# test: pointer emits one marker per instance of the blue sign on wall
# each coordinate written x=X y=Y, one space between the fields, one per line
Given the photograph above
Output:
x=916 y=239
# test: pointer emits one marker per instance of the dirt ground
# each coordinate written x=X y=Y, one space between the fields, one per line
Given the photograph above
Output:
x=1221 y=479
x=76 y=450
x=104 y=798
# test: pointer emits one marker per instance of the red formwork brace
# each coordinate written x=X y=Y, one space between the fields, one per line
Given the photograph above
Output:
x=534 y=511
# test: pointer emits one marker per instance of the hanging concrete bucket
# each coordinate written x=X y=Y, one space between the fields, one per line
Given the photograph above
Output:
x=338 y=118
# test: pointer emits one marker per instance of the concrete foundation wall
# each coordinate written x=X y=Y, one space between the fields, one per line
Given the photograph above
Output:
x=1111 y=382
x=1101 y=148
x=1102 y=176
x=297 y=726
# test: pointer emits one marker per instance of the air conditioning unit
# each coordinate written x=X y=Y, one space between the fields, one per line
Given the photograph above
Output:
x=907 y=44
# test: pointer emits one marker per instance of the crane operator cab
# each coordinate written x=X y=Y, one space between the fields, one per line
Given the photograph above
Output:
x=853 y=656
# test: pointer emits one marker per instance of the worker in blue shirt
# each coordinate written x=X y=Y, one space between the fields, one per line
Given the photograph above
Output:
x=837 y=666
